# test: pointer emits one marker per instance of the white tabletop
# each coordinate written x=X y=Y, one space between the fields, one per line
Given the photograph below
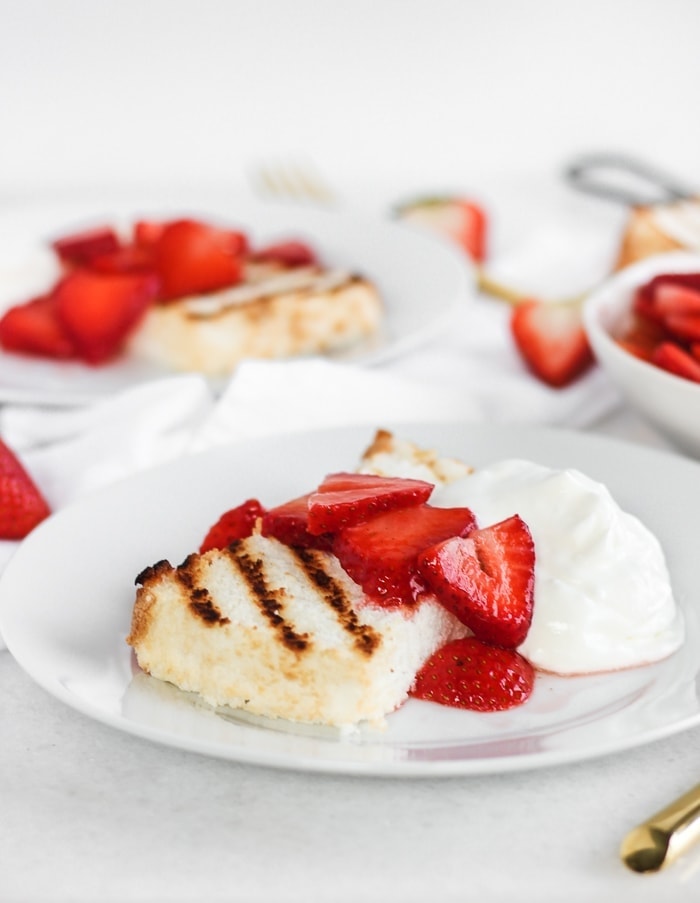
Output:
x=90 y=814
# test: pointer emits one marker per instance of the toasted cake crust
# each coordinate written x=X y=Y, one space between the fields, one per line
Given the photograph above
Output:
x=390 y=456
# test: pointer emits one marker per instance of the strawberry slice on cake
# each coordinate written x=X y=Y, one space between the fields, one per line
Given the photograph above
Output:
x=325 y=608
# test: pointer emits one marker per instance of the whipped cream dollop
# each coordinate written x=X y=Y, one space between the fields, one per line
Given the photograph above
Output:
x=603 y=597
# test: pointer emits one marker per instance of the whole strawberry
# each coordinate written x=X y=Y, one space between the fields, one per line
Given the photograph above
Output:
x=22 y=506
x=469 y=674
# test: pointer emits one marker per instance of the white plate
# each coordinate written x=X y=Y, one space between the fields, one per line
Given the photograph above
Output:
x=66 y=597
x=421 y=280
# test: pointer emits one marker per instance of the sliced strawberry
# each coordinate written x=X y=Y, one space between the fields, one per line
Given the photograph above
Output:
x=551 y=339
x=670 y=356
x=645 y=296
x=684 y=327
x=22 y=506
x=289 y=523
x=147 y=232
x=381 y=554
x=33 y=327
x=639 y=349
x=130 y=258
x=456 y=218
x=238 y=523
x=469 y=674
x=487 y=580
x=642 y=337
x=100 y=311
x=672 y=298
x=80 y=248
x=193 y=257
x=344 y=499
x=287 y=253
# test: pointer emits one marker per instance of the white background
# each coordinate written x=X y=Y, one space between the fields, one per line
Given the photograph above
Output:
x=431 y=93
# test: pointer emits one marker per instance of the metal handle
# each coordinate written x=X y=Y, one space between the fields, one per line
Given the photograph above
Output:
x=665 y=836
x=604 y=175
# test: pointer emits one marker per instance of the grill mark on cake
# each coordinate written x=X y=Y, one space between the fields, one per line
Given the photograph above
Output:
x=202 y=605
x=270 y=601
x=200 y=602
x=153 y=571
x=365 y=638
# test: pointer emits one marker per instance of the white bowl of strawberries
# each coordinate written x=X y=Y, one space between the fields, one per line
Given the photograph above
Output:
x=643 y=325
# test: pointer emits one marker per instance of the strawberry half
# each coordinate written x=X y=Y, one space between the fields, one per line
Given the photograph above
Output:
x=487 y=580
x=344 y=499
x=381 y=554
x=22 y=506
x=99 y=311
x=551 y=340
x=34 y=327
x=289 y=523
x=238 y=523
x=192 y=257
x=469 y=674
x=456 y=218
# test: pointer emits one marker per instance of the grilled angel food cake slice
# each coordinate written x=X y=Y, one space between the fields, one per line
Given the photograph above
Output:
x=276 y=312
x=282 y=632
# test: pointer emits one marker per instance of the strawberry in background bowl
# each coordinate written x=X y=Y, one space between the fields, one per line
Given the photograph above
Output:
x=643 y=325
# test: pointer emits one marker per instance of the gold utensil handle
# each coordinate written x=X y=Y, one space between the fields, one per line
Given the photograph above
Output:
x=665 y=836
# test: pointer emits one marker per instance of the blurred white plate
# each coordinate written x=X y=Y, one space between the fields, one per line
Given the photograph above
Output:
x=421 y=279
x=66 y=599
